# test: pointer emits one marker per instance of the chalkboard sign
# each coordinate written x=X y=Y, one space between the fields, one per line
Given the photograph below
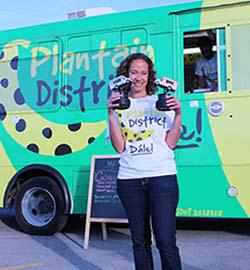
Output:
x=104 y=204
x=105 y=200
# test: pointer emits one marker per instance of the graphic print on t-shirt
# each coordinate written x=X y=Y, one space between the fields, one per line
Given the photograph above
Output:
x=137 y=128
x=144 y=129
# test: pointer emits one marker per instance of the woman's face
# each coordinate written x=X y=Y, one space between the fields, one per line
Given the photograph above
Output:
x=138 y=73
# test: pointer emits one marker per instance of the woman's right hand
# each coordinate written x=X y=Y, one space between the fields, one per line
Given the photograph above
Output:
x=112 y=104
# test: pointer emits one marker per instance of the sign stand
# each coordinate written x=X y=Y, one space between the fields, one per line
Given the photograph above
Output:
x=104 y=231
x=107 y=208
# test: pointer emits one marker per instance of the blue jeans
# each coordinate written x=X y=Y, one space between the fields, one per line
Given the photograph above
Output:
x=156 y=197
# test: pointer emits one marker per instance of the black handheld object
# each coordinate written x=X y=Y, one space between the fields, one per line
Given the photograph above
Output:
x=169 y=86
x=118 y=84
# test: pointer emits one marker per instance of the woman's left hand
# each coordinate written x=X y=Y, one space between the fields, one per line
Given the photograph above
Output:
x=174 y=104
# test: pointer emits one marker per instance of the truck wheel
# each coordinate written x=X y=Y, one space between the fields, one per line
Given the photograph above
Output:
x=39 y=206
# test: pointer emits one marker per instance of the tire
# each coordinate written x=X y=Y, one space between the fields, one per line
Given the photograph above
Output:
x=39 y=206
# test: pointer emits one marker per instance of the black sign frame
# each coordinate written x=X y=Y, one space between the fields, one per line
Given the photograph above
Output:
x=103 y=205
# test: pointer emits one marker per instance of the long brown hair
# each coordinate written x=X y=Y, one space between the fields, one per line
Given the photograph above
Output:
x=123 y=69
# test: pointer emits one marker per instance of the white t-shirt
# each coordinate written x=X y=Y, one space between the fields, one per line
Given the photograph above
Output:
x=144 y=129
x=207 y=68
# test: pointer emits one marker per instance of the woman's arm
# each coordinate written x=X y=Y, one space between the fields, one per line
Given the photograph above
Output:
x=117 y=140
x=173 y=134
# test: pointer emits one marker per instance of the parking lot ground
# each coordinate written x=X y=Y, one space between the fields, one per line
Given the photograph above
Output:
x=204 y=245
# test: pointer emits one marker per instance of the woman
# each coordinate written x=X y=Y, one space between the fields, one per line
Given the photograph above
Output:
x=147 y=183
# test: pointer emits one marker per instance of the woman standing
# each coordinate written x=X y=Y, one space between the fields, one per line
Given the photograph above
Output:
x=147 y=183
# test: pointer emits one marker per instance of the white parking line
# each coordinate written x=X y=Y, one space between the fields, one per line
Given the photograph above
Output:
x=21 y=266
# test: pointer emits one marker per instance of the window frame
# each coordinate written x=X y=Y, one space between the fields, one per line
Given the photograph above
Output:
x=181 y=30
x=188 y=30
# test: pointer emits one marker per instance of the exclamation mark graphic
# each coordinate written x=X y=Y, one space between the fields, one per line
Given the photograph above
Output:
x=198 y=124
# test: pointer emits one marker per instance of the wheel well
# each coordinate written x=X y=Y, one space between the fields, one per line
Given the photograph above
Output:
x=36 y=170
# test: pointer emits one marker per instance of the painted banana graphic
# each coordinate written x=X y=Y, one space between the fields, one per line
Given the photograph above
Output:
x=7 y=171
x=29 y=129
x=226 y=149
x=239 y=153
x=130 y=135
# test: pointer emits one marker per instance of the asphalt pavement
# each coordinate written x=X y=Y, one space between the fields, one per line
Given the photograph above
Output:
x=204 y=245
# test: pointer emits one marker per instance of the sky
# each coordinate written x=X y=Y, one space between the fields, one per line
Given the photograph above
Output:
x=18 y=13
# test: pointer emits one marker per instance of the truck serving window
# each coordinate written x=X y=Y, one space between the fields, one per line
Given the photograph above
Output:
x=205 y=61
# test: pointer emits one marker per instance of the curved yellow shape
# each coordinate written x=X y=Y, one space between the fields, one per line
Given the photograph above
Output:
x=7 y=171
x=233 y=152
x=131 y=135
x=231 y=134
x=28 y=128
